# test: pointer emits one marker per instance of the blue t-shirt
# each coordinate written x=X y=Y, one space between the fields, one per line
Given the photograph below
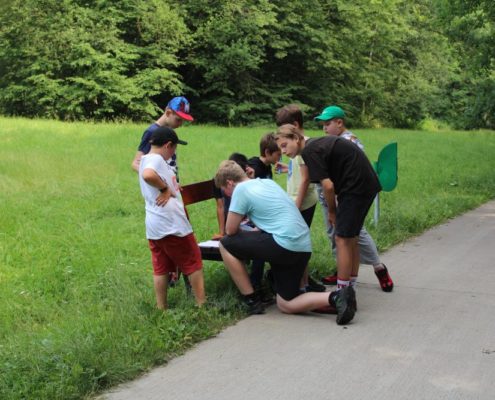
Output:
x=273 y=211
x=145 y=147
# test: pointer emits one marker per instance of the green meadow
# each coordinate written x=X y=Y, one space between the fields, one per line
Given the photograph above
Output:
x=77 y=308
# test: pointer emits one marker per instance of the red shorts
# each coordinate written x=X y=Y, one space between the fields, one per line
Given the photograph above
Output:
x=173 y=252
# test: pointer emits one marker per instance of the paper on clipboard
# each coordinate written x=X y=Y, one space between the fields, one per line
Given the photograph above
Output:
x=209 y=244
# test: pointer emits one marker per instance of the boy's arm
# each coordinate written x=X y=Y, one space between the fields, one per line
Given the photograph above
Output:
x=220 y=218
x=329 y=195
x=233 y=223
x=137 y=160
x=281 y=167
x=153 y=179
x=303 y=186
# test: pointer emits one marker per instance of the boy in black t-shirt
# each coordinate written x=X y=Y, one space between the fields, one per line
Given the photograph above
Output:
x=343 y=169
x=269 y=155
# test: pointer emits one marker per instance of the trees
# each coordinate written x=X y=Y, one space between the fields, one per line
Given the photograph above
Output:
x=88 y=59
x=388 y=62
x=470 y=26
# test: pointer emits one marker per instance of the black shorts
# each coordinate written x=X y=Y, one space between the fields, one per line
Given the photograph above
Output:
x=308 y=214
x=287 y=266
x=351 y=213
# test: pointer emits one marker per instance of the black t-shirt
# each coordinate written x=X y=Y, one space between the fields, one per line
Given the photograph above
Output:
x=344 y=163
x=260 y=169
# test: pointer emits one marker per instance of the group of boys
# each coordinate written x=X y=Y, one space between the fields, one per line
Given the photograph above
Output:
x=347 y=185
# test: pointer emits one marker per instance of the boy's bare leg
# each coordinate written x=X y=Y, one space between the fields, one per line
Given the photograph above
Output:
x=304 y=302
x=198 y=286
x=346 y=248
x=237 y=271
x=160 y=283
x=355 y=257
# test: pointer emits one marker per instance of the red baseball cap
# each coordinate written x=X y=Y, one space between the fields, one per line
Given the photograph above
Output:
x=180 y=106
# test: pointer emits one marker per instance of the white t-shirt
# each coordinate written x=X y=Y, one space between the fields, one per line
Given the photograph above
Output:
x=170 y=219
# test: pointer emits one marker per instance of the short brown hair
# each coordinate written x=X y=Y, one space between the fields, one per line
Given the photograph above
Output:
x=288 y=115
x=268 y=143
x=228 y=170
x=289 y=131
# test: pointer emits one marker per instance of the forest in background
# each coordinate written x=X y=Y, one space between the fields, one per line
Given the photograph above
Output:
x=388 y=63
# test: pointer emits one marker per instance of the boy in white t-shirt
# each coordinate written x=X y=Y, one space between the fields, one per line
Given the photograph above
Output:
x=169 y=233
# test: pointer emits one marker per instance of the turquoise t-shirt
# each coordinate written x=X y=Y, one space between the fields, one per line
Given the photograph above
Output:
x=273 y=211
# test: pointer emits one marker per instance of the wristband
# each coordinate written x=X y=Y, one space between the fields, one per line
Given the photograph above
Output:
x=164 y=189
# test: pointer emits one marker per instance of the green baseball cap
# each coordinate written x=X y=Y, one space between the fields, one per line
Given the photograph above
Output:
x=331 y=112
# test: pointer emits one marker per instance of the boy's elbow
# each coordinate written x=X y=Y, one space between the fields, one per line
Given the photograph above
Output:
x=231 y=231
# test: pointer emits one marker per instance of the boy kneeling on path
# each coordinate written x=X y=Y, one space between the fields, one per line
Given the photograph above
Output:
x=282 y=239
x=169 y=233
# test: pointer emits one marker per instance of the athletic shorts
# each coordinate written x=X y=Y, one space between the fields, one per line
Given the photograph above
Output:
x=351 y=213
x=308 y=214
x=287 y=266
x=174 y=252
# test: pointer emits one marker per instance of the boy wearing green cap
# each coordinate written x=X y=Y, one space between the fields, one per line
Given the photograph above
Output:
x=333 y=118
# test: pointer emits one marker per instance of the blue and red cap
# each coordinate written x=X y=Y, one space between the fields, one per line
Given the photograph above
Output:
x=180 y=106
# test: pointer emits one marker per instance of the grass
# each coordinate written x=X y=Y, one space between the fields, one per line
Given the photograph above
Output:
x=76 y=301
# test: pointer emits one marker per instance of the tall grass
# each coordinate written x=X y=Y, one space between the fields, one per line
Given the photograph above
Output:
x=76 y=300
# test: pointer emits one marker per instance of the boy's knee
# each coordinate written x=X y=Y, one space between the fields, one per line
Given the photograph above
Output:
x=284 y=305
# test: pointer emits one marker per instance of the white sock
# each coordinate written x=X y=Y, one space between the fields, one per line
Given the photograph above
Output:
x=379 y=267
x=342 y=284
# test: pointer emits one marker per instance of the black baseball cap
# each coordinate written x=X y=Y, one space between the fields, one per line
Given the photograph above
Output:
x=163 y=135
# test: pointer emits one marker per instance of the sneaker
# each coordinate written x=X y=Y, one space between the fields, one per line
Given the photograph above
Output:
x=329 y=280
x=314 y=286
x=325 y=310
x=253 y=304
x=344 y=301
x=173 y=279
x=255 y=307
x=265 y=295
x=385 y=280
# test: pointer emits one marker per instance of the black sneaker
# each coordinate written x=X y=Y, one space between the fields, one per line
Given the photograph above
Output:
x=314 y=286
x=265 y=295
x=254 y=307
x=344 y=301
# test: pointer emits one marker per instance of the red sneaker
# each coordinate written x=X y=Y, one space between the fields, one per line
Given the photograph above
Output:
x=385 y=280
x=329 y=280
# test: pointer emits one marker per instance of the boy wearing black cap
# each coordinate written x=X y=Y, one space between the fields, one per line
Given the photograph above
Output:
x=169 y=233
x=176 y=112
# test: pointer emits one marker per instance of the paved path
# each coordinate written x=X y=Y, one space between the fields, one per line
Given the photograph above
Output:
x=432 y=338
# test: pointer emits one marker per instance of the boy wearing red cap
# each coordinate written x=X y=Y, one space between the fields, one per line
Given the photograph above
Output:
x=176 y=112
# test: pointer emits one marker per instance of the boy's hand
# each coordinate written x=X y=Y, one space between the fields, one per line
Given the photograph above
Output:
x=163 y=198
x=281 y=167
x=250 y=172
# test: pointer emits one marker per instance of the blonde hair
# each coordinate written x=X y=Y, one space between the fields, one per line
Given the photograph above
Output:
x=289 y=131
x=228 y=170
